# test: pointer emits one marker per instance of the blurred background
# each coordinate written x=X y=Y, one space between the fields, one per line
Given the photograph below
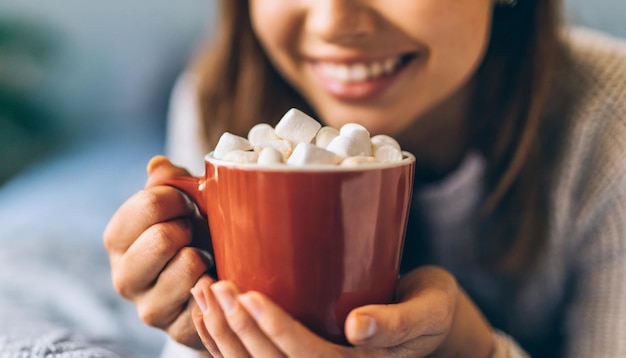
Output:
x=84 y=88
x=72 y=68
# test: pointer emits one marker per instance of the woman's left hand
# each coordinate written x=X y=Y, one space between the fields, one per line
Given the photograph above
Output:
x=433 y=317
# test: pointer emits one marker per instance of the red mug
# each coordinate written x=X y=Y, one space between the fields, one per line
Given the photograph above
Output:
x=318 y=240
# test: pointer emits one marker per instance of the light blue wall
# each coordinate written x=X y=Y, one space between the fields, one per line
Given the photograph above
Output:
x=605 y=15
x=115 y=59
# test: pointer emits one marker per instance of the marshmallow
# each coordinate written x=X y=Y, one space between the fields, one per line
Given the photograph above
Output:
x=381 y=139
x=270 y=156
x=358 y=161
x=347 y=147
x=360 y=136
x=260 y=133
x=387 y=153
x=325 y=135
x=297 y=127
x=352 y=129
x=241 y=157
x=229 y=142
x=307 y=153
x=350 y=146
x=282 y=145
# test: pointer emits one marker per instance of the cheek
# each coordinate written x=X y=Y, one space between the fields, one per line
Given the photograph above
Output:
x=263 y=29
x=459 y=40
x=275 y=25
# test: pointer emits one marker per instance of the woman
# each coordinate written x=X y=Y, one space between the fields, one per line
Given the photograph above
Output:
x=516 y=242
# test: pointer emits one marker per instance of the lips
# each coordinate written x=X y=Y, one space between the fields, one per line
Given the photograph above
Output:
x=359 y=79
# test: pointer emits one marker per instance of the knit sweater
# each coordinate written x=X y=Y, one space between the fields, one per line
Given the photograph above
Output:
x=573 y=303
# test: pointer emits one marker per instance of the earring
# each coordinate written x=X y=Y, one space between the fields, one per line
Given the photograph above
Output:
x=506 y=3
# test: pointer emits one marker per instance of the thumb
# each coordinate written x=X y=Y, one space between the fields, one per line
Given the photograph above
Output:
x=385 y=326
x=160 y=168
x=423 y=315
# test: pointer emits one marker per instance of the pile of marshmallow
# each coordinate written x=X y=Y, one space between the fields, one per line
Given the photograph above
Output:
x=300 y=140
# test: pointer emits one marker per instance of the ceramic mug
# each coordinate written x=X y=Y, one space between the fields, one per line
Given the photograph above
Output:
x=318 y=240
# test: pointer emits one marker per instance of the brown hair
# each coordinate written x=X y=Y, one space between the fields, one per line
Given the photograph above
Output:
x=239 y=88
x=515 y=83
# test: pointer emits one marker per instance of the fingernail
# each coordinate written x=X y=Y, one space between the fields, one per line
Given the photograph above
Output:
x=251 y=303
x=365 y=327
x=225 y=296
x=198 y=296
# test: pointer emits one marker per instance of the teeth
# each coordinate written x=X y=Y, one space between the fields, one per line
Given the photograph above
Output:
x=376 y=69
x=390 y=64
x=358 y=72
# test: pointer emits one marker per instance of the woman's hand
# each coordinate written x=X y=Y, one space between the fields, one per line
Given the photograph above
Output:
x=433 y=318
x=152 y=264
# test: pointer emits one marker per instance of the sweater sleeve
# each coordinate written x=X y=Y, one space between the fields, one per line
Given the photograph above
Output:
x=174 y=349
x=505 y=347
x=594 y=320
x=184 y=148
x=595 y=323
x=183 y=144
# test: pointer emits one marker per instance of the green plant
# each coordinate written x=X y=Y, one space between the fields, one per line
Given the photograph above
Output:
x=26 y=122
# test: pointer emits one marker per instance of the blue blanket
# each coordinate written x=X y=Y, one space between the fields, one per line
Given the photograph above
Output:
x=56 y=297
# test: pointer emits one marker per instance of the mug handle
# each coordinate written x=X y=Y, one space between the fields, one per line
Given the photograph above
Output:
x=194 y=187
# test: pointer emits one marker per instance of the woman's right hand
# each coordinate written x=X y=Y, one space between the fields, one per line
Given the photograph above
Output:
x=153 y=264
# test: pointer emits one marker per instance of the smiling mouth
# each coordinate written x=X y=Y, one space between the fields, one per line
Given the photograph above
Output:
x=356 y=72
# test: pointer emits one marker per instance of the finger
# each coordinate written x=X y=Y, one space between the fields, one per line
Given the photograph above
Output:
x=140 y=265
x=390 y=329
x=425 y=312
x=139 y=212
x=160 y=168
x=242 y=323
x=165 y=301
x=289 y=335
x=183 y=331
x=214 y=325
x=197 y=313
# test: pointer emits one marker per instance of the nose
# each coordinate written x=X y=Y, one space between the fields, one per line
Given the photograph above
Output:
x=341 y=21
